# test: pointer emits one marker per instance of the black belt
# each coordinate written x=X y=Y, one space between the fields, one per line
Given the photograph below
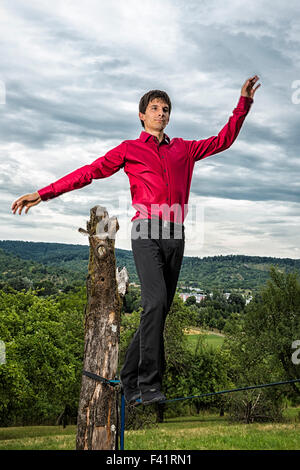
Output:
x=164 y=227
x=160 y=222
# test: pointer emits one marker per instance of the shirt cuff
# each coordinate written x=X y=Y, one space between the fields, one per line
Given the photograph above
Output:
x=245 y=100
x=244 y=104
x=46 y=193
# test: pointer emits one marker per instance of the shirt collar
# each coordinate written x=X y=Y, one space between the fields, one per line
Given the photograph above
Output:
x=144 y=136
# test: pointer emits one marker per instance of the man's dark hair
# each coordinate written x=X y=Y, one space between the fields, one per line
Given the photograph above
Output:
x=151 y=95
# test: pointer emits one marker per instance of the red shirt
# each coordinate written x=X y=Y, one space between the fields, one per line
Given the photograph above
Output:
x=160 y=174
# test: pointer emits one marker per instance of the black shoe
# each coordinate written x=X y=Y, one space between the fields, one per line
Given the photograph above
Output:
x=152 y=395
x=130 y=395
x=134 y=399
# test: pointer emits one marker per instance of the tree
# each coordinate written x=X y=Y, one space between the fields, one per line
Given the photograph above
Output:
x=259 y=343
x=191 y=300
x=132 y=299
x=237 y=300
x=274 y=321
x=44 y=347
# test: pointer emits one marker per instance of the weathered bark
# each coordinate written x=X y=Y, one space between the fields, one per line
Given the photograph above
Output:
x=97 y=420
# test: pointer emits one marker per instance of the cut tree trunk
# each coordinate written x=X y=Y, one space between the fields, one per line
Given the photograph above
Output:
x=97 y=414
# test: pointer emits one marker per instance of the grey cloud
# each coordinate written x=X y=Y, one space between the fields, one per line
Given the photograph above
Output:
x=82 y=100
x=279 y=221
x=224 y=184
x=43 y=124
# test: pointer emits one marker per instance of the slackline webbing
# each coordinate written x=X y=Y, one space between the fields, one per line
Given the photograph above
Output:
x=272 y=384
x=100 y=379
x=203 y=395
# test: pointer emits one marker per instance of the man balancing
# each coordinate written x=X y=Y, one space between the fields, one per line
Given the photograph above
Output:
x=160 y=173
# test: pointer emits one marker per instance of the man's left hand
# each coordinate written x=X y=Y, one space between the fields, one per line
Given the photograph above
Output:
x=247 y=88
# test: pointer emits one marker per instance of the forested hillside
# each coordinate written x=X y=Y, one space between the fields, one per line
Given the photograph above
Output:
x=58 y=266
x=42 y=330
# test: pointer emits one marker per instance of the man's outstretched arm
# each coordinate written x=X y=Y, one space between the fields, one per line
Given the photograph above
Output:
x=215 y=144
x=102 y=167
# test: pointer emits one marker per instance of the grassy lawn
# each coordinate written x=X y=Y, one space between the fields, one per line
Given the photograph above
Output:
x=210 y=338
x=203 y=432
x=206 y=431
x=38 y=438
x=214 y=433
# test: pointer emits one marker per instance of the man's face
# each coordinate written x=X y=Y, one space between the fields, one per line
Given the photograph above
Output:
x=156 y=116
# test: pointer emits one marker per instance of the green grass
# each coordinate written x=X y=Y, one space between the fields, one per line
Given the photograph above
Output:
x=214 y=433
x=38 y=438
x=213 y=340
x=204 y=432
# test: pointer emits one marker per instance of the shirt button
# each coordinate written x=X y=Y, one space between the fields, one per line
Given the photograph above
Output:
x=164 y=171
x=162 y=156
x=166 y=184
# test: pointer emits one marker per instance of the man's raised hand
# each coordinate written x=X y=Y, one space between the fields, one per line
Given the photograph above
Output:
x=28 y=200
x=247 y=88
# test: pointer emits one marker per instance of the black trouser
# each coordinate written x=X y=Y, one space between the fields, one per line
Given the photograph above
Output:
x=158 y=256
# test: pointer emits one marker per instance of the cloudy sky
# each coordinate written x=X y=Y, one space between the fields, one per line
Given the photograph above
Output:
x=71 y=76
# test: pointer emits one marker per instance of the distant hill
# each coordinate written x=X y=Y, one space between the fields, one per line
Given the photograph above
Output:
x=62 y=265
x=232 y=271
x=54 y=266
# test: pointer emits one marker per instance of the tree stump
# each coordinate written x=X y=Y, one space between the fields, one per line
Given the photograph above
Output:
x=97 y=413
